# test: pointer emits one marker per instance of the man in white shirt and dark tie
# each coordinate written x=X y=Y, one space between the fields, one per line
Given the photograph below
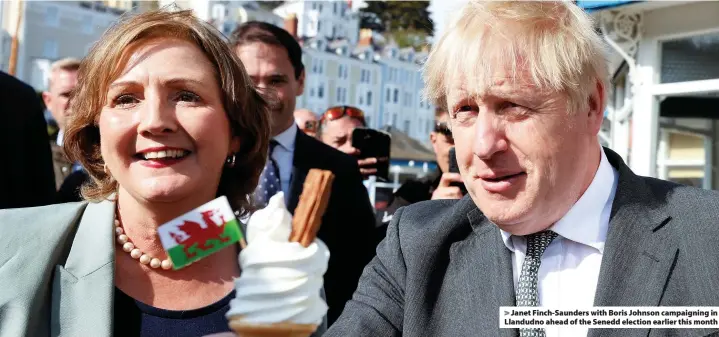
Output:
x=273 y=60
x=551 y=218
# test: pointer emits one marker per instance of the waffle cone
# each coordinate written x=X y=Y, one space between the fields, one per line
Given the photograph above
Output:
x=282 y=329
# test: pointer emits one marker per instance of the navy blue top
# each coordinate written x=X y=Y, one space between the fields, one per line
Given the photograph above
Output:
x=134 y=318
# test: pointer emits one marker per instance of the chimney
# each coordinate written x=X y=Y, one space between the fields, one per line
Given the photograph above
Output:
x=365 y=38
x=291 y=25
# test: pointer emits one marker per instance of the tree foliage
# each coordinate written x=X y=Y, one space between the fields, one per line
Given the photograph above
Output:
x=408 y=22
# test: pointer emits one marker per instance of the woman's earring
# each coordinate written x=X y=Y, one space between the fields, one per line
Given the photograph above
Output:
x=230 y=161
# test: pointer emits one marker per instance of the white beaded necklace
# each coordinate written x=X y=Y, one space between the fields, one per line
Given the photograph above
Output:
x=135 y=253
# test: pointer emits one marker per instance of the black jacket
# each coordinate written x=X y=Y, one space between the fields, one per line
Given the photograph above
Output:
x=26 y=173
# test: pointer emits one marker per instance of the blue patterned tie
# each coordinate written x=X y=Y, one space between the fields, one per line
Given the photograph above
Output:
x=527 y=289
x=269 y=180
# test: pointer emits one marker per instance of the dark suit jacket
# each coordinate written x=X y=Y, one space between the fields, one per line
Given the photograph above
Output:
x=61 y=165
x=443 y=269
x=348 y=224
x=26 y=172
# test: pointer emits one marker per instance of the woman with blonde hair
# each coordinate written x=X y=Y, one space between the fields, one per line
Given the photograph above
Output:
x=165 y=119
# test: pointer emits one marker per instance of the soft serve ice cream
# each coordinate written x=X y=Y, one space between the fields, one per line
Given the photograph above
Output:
x=280 y=281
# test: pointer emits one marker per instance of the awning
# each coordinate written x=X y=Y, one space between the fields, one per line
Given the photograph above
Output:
x=405 y=147
x=596 y=5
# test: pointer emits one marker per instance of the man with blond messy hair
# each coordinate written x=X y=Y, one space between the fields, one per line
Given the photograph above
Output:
x=551 y=219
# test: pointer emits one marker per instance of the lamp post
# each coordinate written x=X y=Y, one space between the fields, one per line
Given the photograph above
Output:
x=12 y=63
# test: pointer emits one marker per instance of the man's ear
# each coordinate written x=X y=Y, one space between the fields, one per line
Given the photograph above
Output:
x=596 y=105
x=46 y=98
x=301 y=83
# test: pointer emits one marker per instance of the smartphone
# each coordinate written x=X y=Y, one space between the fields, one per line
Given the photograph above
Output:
x=454 y=168
x=374 y=143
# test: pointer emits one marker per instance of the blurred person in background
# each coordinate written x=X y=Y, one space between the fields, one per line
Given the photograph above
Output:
x=61 y=82
x=273 y=60
x=336 y=126
x=26 y=173
x=307 y=121
x=172 y=124
x=435 y=185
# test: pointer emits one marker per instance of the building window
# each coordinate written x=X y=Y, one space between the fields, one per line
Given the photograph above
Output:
x=396 y=95
x=49 y=50
x=312 y=92
x=367 y=121
x=339 y=95
x=334 y=11
x=218 y=12
x=369 y=98
x=321 y=91
x=361 y=100
x=227 y=28
x=406 y=126
x=52 y=16
x=426 y=126
x=368 y=76
x=386 y=97
x=319 y=27
x=394 y=120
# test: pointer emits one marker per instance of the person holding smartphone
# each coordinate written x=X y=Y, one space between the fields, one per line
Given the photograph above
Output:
x=336 y=127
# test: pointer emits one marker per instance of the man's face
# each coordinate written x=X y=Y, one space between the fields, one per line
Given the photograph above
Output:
x=442 y=141
x=338 y=134
x=270 y=68
x=524 y=158
x=57 y=98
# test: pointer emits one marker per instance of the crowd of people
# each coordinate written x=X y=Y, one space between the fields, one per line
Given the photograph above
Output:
x=163 y=115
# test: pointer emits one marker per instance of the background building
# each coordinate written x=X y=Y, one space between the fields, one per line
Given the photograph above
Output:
x=662 y=116
x=50 y=31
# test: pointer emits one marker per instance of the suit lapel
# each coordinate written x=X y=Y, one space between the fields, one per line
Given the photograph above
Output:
x=638 y=256
x=300 y=168
x=487 y=272
x=84 y=286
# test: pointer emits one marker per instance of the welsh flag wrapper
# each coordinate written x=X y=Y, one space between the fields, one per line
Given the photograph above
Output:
x=200 y=232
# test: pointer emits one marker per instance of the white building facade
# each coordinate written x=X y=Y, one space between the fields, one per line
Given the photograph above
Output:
x=339 y=76
x=323 y=19
x=662 y=110
x=50 y=30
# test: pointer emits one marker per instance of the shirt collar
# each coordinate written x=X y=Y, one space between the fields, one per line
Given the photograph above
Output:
x=587 y=222
x=60 y=137
x=287 y=138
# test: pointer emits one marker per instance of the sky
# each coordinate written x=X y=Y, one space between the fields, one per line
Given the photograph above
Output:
x=441 y=11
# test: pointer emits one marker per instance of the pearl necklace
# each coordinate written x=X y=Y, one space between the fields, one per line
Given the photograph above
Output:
x=135 y=253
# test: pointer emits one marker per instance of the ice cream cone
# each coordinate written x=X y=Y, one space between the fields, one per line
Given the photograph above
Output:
x=283 y=329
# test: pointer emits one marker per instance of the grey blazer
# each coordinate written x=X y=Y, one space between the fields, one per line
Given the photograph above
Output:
x=57 y=267
x=443 y=270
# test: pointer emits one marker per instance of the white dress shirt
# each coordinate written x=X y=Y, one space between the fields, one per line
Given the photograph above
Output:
x=283 y=155
x=569 y=270
x=60 y=137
